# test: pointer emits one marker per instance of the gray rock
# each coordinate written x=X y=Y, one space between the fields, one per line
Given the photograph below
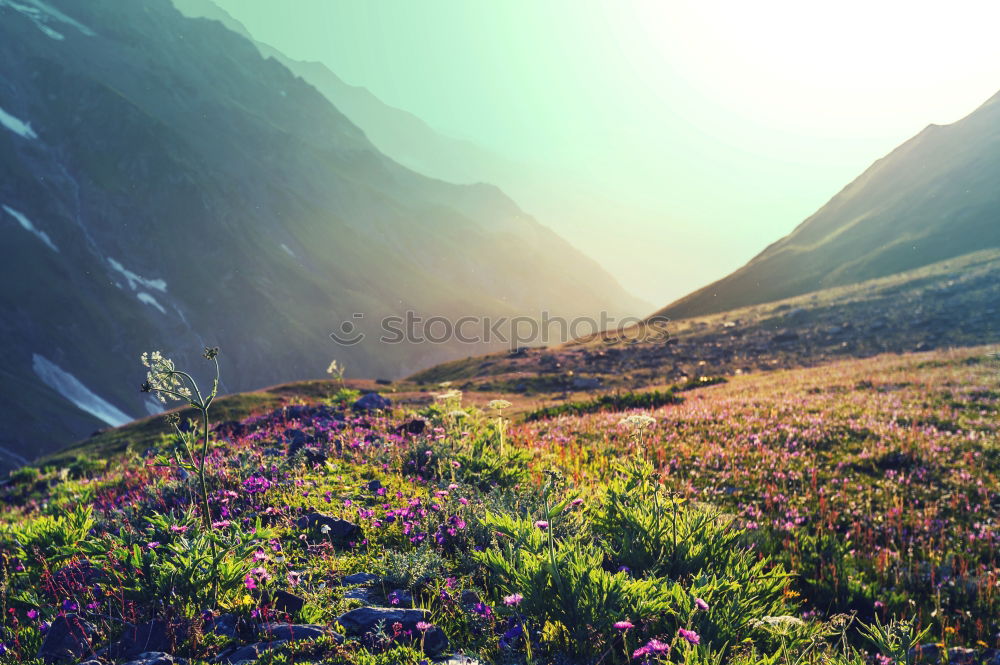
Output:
x=293 y=632
x=157 y=658
x=226 y=625
x=470 y=597
x=962 y=656
x=250 y=652
x=336 y=530
x=156 y=636
x=359 y=578
x=456 y=659
x=400 y=598
x=371 y=402
x=363 y=620
x=68 y=638
x=285 y=601
x=586 y=383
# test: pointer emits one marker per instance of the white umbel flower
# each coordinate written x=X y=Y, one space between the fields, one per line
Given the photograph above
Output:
x=163 y=378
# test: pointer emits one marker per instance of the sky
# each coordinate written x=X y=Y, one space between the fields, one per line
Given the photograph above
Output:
x=695 y=133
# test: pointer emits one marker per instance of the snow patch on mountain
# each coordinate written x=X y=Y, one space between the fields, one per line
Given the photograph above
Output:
x=134 y=280
x=151 y=301
x=153 y=406
x=72 y=389
x=28 y=226
x=41 y=14
x=288 y=249
x=16 y=125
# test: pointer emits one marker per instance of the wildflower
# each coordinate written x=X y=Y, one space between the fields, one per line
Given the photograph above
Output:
x=624 y=626
x=457 y=413
x=423 y=626
x=638 y=421
x=689 y=635
x=176 y=528
x=701 y=604
x=325 y=529
x=499 y=404
x=152 y=545
x=576 y=502
x=32 y=614
x=163 y=379
x=250 y=582
x=513 y=599
x=542 y=524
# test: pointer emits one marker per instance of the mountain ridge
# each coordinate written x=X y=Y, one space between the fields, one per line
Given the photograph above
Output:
x=927 y=200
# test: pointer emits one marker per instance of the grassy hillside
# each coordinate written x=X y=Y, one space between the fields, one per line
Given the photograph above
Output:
x=776 y=517
x=951 y=303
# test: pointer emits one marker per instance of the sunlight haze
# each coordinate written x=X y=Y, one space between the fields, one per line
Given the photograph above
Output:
x=679 y=138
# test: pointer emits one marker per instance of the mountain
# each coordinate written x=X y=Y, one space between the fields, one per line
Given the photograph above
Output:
x=164 y=186
x=399 y=134
x=580 y=211
x=932 y=198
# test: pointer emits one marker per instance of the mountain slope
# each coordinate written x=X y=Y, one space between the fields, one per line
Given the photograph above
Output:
x=933 y=198
x=164 y=186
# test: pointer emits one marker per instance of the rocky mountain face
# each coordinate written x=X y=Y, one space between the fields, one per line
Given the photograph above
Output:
x=931 y=199
x=164 y=186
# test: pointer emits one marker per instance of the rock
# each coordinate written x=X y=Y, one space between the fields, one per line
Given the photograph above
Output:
x=374 y=485
x=925 y=653
x=363 y=620
x=359 y=578
x=68 y=638
x=371 y=402
x=337 y=530
x=156 y=636
x=365 y=594
x=250 y=652
x=416 y=426
x=293 y=632
x=227 y=625
x=456 y=659
x=284 y=601
x=400 y=598
x=586 y=383
x=470 y=597
x=785 y=336
x=962 y=656
x=157 y=658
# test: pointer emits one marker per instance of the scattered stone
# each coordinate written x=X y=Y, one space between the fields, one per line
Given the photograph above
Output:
x=359 y=578
x=227 y=625
x=962 y=656
x=293 y=632
x=284 y=601
x=457 y=659
x=416 y=426
x=586 y=383
x=156 y=636
x=157 y=658
x=363 y=620
x=68 y=638
x=374 y=485
x=337 y=530
x=400 y=598
x=250 y=652
x=371 y=402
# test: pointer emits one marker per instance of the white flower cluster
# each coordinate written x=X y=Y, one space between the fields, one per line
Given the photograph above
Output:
x=499 y=404
x=638 y=421
x=162 y=378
